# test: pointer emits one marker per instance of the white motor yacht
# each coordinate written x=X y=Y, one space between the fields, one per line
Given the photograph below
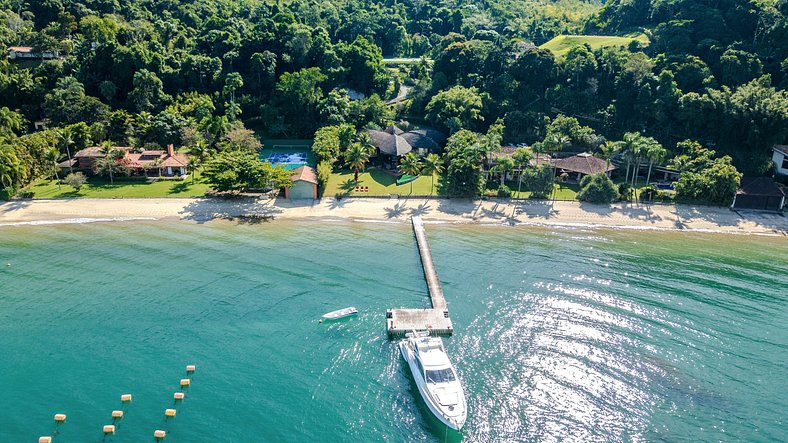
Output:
x=435 y=377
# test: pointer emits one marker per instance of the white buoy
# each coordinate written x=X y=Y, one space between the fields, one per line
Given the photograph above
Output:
x=191 y=368
x=159 y=434
x=125 y=397
x=45 y=439
x=117 y=415
x=170 y=412
x=60 y=418
x=179 y=396
x=109 y=429
x=185 y=382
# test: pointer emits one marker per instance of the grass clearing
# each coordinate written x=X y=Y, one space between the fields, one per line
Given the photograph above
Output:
x=380 y=184
x=101 y=188
x=561 y=44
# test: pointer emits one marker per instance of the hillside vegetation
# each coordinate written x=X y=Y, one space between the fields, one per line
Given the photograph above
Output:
x=212 y=75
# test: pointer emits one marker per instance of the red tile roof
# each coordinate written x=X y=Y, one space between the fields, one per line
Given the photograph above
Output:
x=304 y=173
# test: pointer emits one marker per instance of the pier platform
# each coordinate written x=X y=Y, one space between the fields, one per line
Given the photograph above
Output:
x=436 y=320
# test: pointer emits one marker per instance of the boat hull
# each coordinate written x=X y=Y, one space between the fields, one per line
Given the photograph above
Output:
x=455 y=423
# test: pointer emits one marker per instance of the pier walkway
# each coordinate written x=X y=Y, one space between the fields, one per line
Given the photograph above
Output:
x=436 y=319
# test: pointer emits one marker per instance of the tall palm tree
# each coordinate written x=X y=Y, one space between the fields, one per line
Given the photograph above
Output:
x=628 y=146
x=433 y=164
x=52 y=156
x=411 y=165
x=110 y=160
x=357 y=157
x=66 y=138
x=522 y=158
x=655 y=154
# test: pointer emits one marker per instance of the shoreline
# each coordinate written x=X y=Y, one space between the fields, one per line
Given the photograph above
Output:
x=565 y=214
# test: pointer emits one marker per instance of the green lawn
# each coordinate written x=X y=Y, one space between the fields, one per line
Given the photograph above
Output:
x=561 y=44
x=379 y=183
x=100 y=188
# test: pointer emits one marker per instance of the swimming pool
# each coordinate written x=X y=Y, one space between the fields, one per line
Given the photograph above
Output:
x=290 y=160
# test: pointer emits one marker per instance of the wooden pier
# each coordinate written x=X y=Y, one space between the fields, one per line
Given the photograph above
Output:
x=436 y=319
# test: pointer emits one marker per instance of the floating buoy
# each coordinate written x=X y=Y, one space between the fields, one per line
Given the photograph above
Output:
x=178 y=396
x=109 y=429
x=9 y=264
x=46 y=439
x=125 y=397
x=170 y=412
x=185 y=382
x=159 y=434
x=60 y=418
x=117 y=415
x=190 y=369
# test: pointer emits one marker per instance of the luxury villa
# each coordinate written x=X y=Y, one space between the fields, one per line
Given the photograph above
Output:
x=151 y=163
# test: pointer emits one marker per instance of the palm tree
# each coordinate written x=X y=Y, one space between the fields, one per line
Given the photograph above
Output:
x=111 y=157
x=433 y=164
x=655 y=154
x=504 y=165
x=522 y=158
x=411 y=165
x=628 y=146
x=66 y=138
x=10 y=120
x=608 y=151
x=357 y=157
x=52 y=155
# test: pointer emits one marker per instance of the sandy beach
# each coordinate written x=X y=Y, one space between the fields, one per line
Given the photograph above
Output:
x=561 y=213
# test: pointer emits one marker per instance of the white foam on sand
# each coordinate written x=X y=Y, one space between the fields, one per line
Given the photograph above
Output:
x=75 y=221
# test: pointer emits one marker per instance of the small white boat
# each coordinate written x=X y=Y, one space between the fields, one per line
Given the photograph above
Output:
x=340 y=313
x=435 y=377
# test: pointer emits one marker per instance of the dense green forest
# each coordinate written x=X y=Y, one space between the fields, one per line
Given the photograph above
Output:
x=198 y=73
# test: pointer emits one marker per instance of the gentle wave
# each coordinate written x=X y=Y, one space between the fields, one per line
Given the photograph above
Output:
x=75 y=221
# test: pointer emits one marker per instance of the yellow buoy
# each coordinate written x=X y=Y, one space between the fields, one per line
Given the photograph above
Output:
x=125 y=397
x=60 y=418
x=170 y=412
x=178 y=396
x=159 y=434
x=190 y=369
x=109 y=429
x=185 y=382
x=117 y=414
x=46 y=439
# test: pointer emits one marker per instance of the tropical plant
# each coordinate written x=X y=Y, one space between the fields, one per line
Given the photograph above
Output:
x=503 y=165
x=522 y=158
x=433 y=165
x=66 y=138
x=597 y=188
x=356 y=158
x=655 y=153
x=411 y=165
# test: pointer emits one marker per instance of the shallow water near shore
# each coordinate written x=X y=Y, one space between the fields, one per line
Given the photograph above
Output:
x=589 y=335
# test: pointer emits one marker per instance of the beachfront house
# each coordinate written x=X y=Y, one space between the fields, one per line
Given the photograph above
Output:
x=580 y=165
x=28 y=53
x=393 y=143
x=150 y=163
x=760 y=193
x=780 y=159
x=304 y=184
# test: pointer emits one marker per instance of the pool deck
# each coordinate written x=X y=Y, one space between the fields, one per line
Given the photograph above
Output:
x=436 y=320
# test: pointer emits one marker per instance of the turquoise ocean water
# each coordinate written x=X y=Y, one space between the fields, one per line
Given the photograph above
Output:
x=561 y=335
